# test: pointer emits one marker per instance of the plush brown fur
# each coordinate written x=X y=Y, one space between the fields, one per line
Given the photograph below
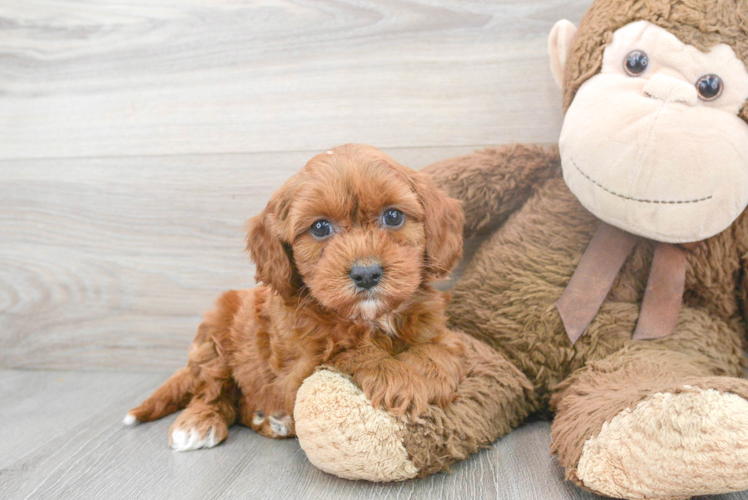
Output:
x=491 y=401
x=507 y=294
x=253 y=351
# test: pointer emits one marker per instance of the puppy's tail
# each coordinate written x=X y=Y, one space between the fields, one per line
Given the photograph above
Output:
x=172 y=396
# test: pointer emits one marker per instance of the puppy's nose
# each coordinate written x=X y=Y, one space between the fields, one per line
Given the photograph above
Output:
x=366 y=276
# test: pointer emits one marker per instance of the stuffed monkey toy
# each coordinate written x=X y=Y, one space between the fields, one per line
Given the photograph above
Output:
x=612 y=289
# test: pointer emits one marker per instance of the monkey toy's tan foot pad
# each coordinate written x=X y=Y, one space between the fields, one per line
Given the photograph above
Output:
x=671 y=445
x=344 y=435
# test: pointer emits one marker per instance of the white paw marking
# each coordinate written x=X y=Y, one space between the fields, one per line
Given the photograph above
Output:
x=281 y=426
x=329 y=152
x=186 y=440
x=258 y=418
x=129 y=419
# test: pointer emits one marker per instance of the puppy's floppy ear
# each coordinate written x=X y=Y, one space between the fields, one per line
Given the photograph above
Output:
x=268 y=249
x=443 y=223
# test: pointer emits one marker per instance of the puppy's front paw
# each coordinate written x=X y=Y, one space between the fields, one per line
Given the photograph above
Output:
x=440 y=365
x=278 y=425
x=281 y=425
x=442 y=391
x=190 y=433
x=394 y=386
x=192 y=439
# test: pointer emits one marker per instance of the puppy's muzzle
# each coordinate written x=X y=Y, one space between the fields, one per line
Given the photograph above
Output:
x=366 y=276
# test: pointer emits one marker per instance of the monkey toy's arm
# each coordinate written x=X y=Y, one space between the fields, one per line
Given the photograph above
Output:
x=492 y=183
x=739 y=230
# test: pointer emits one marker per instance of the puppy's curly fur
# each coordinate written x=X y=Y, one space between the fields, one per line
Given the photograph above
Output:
x=254 y=350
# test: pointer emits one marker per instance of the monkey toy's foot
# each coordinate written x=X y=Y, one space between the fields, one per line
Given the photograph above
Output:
x=693 y=442
x=643 y=425
x=677 y=444
x=344 y=435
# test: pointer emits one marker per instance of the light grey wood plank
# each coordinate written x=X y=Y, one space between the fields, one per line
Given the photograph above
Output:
x=516 y=467
x=110 y=262
x=79 y=450
x=47 y=417
x=110 y=78
x=62 y=439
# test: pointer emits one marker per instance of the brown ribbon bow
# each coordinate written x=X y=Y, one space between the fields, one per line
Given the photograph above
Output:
x=596 y=272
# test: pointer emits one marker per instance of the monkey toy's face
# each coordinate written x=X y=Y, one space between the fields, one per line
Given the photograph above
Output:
x=653 y=143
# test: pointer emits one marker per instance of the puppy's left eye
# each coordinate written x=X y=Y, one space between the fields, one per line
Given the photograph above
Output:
x=321 y=229
x=393 y=218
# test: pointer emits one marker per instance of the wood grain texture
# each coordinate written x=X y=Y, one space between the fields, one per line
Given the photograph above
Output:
x=62 y=438
x=146 y=77
x=109 y=263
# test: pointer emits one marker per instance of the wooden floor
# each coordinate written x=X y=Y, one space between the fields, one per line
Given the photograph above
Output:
x=61 y=437
x=137 y=136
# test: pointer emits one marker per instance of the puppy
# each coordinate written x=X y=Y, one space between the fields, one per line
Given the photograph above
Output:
x=345 y=251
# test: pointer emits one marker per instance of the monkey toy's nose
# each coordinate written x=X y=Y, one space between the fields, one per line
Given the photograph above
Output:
x=367 y=276
x=669 y=89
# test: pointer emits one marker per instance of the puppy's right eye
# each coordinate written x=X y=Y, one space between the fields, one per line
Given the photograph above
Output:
x=321 y=229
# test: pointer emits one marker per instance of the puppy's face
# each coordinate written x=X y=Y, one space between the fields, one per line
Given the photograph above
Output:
x=357 y=229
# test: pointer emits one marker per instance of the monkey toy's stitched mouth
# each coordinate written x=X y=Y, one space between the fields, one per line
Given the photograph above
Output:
x=640 y=200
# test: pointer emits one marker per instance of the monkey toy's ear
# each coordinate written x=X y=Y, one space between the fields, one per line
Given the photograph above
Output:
x=559 y=44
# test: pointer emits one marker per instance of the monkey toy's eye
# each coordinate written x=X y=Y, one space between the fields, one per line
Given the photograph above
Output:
x=636 y=63
x=321 y=229
x=710 y=87
x=393 y=218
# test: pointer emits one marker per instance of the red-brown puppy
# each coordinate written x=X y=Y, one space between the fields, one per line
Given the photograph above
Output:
x=345 y=251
